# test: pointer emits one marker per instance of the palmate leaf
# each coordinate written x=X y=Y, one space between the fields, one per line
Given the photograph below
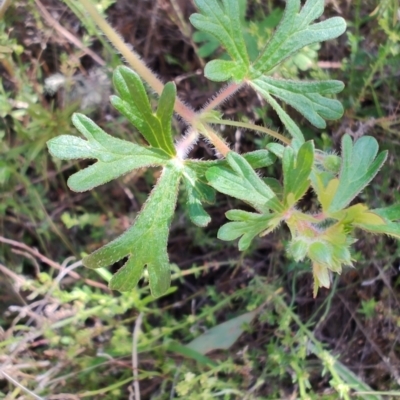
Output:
x=115 y=157
x=222 y=20
x=290 y=125
x=242 y=182
x=296 y=172
x=198 y=192
x=390 y=216
x=297 y=31
x=197 y=189
x=134 y=104
x=306 y=97
x=360 y=164
x=256 y=159
x=245 y=224
x=145 y=243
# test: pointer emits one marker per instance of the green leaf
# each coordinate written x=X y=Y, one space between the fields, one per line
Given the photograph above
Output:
x=198 y=192
x=389 y=227
x=222 y=336
x=290 y=125
x=210 y=43
x=391 y=213
x=256 y=159
x=296 y=172
x=115 y=157
x=190 y=353
x=134 y=104
x=247 y=224
x=145 y=243
x=306 y=97
x=242 y=183
x=276 y=148
x=222 y=20
x=296 y=31
x=360 y=164
x=259 y=158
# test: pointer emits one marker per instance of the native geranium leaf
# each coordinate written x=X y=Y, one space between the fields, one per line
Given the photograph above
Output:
x=360 y=164
x=241 y=182
x=391 y=213
x=297 y=31
x=390 y=229
x=134 y=104
x=245 y=224
x=389 y=226
x=290 y=125
x=145 y=243
x=115 y=157
x=222 y=20
x=198 y=192
x=256 y=159
x=296 y=172
x=306 y=97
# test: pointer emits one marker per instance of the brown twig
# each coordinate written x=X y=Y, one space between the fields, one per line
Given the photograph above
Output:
x=50 y=262
x=68 y=35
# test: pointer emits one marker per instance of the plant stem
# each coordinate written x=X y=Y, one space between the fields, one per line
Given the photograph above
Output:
x=135 y=61
x=224 y=94
x=190 y=116
x=246 y=125
x=185 y=144
x=216 y=140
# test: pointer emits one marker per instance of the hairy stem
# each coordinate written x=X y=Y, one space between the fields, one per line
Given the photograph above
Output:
x=190 y=116
x=135 y=61
x=253 y=127
x=185 y=144
x=216 y=140
x=224 y=94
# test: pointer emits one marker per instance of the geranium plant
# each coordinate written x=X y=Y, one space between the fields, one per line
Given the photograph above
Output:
x=325 y=237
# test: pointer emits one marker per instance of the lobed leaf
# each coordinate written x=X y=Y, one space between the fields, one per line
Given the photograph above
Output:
x=391 y=213
x=246 y=224
x=134 y=104
x=296 y=31
x=290 y=125
x=306 y=97
x=389 y=226
x=360 y=164
x=145 y=243
x=198 y=192
x=256 y=159
x=242 y=183
x=115 y=157
x=222 y=20
x=296 y=172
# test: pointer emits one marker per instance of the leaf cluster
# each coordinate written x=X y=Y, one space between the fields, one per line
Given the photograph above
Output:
x=324 y=238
